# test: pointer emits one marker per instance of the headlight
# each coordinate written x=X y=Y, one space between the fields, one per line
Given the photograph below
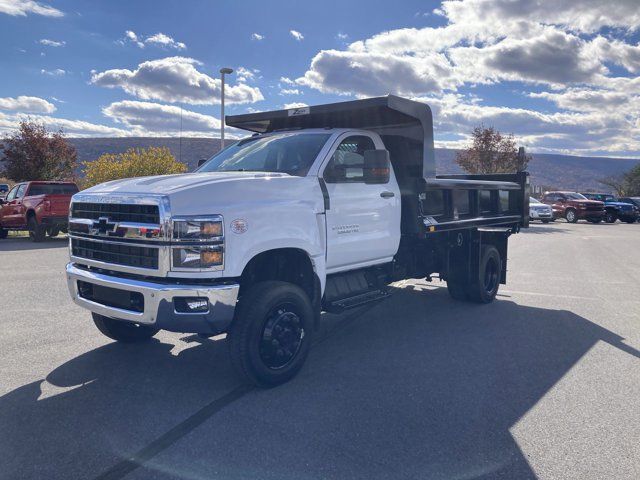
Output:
x=198 y=229
x=198 y=257
x=198 y=243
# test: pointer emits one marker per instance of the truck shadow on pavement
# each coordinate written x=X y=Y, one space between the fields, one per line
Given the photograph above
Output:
x=14 y=244
x=417 y=386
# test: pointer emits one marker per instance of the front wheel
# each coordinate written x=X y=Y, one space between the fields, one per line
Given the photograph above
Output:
x=122 y=331
x=37 y=232
x=270 y=337
x=610 y=217
x=571 y=216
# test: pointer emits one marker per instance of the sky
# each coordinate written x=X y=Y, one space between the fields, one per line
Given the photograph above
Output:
x=561 y=75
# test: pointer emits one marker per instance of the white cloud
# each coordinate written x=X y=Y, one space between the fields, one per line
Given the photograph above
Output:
x=257 y=36
x=601 y=130
x=287 y=81
x=52 y=43
x=73 y=128
x=57 y=72
x=131 y=36
x=342 y=36
x=24 y=7
x=297 y=35
x=580 y=15
x=174 y=79
x=287 y=106
x=155 y=118
x=27 y=104
x=245 y=75
x=290 y=91
x=164 y=41
x=570 y=46
x=159 y=40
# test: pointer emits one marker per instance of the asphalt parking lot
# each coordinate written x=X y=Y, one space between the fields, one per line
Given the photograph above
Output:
x=543 y=383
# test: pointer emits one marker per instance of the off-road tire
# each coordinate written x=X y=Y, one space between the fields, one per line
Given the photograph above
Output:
x=485 y=287
x=123 y=331
x=610 y=217
x=247 y=336
x=37 y=233
x=571 y=215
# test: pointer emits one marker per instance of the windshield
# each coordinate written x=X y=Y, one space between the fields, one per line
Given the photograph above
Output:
x=291 y=153
x=534 y=200
x=576 y=196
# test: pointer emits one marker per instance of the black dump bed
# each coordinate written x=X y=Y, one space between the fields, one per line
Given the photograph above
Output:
x=406 y=128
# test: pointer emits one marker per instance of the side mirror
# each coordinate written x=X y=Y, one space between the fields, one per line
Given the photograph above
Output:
x=201 y=162
x=377 y=167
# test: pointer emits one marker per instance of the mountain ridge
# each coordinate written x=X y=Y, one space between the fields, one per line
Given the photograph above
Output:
x=555 y=171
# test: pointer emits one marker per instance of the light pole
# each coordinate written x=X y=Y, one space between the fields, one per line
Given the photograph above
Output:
x=223 y=72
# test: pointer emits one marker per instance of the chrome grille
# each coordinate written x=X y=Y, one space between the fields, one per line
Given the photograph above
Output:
x=117 y=212
x=115 y=253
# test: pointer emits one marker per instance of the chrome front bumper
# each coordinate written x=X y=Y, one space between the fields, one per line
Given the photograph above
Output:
x=159 y=309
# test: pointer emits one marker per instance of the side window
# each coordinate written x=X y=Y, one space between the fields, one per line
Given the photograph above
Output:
x=504 y=200
x=433 y=203
x=12 y=194
x=347 y=163
x=486 y=205
x=21 y=190
x=461 y=203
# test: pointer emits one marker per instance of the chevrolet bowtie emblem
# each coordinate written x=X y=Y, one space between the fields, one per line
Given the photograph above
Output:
x=102 y=226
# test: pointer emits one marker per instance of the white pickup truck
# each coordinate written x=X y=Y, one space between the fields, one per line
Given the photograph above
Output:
x=319 y=210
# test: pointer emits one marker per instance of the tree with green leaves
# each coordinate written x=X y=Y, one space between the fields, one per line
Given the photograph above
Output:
x=135 y=162
x=34 y=153
x=491 y=152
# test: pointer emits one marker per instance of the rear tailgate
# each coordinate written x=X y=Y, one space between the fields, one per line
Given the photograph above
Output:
x=58 y=204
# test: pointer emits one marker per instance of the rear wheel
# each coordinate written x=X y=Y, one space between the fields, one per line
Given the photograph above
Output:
x=53 y=231
x=270 y=337
x=37 y=232
x=570 y=215
x=485 y=287
x=122 y=331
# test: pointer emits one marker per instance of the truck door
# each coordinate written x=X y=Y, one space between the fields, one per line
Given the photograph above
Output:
x=363 y=221
x=12 y=207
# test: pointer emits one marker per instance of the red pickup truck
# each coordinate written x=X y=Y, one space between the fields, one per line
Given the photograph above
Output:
x=40 y=207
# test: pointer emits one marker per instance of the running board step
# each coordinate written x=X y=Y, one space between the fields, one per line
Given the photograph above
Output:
x=357 y=300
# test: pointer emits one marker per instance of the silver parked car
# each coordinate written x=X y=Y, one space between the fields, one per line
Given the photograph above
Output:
x=540 y=211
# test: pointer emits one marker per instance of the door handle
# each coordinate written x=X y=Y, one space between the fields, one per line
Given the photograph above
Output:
x=387 y=194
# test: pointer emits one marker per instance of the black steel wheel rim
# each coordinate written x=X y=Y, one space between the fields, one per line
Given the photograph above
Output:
x=490 y=275
x=282 y=336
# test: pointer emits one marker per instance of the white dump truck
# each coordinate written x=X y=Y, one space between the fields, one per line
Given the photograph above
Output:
x=320 y=209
